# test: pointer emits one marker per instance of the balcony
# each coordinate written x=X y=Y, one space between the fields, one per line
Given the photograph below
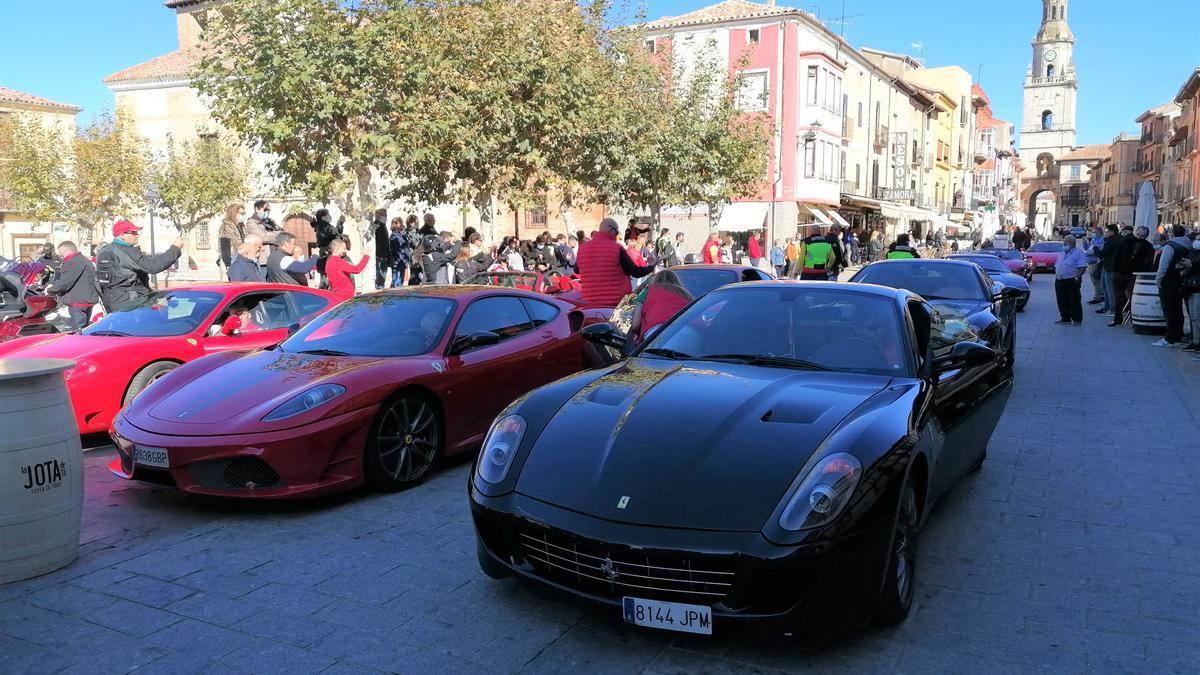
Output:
x=881 y=137
x=849 y=187
x=848 y=127
x=1074 y=201
x=1057 y=79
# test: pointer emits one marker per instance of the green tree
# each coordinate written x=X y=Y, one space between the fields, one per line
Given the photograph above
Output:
x=89 y=179
x=197 y=179
x=309 y=83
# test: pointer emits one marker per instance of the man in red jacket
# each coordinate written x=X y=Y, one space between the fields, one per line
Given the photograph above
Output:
x=605 y=267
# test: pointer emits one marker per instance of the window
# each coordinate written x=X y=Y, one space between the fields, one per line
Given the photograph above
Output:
x=753 y=35
x=962 y=111
x=860 y=114
x=857 y=176
x=842 y=168
x=1075 y=171
x=845 y=103
x=1047 y=120
x=651 y=45
x=812 y=85
x=162 y=314
x=272 y=312
x=810 y=160
x=540 y=312
x=752 y=91
x=308 y=304
x=877 y=113
x=376 y=325
x=504 y=316
x=537 y=214
x=1050 y=70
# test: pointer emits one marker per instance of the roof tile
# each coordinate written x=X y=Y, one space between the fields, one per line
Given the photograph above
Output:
x=176 y=64
x=13 y=96
x=729 y=10
x=1094 y=151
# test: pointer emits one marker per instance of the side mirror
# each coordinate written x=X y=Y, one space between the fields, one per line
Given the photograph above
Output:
x=293 y=329
x=965 y=355
x=479 y=338
x=603 y=334
x=1008 y=293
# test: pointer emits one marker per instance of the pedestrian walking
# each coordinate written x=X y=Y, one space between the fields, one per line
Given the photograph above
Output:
x=1170 y=286
x=712 y=250
x=75 y=285
x=1134 y=255
x=1189 y=272
x=1095 y=272
x=123 y=271
x=383 y=248
x=678 y=255
x=1068 y=278
x=778 y=259
x=754 y=248
x=340 y=271
x=401 y=253
x=605 y=267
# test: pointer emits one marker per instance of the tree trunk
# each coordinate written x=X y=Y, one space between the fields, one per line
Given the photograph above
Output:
x=568 y=215
x=487 y=217
x=655 y=218
x=714 y=216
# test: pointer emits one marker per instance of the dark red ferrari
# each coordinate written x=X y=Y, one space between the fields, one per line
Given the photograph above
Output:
x=373 y=391
x=121 y=354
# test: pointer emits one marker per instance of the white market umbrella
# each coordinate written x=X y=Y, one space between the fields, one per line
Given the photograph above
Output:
x=1146 y=214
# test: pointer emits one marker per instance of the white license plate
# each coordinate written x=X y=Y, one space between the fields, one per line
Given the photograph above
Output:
x=668 y=615
x=156 y=457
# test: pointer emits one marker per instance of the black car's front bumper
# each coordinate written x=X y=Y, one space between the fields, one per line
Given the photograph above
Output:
x=740 y=575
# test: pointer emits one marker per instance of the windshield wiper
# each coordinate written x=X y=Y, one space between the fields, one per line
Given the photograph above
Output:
x=667 y=353
x=764 y=360
x=109 y=333
x=324 y=352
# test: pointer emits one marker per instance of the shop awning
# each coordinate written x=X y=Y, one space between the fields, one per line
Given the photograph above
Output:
x=743 y=216
x=838 y=217
x=892 y=211
x=819 y=214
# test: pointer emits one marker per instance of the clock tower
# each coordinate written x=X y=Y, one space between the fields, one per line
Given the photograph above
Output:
x=1048 y=124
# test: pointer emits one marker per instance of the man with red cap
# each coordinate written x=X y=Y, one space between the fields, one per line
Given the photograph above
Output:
x=605 y=267
x=123 y=271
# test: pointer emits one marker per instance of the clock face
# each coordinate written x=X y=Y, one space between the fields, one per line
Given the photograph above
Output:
x=1051 y=54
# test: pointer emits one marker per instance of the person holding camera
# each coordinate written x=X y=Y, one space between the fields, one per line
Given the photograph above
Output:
x=261 y=226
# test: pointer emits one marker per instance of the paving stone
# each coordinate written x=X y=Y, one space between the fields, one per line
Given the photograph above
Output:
x=268 y=656
x=148 y=591
x=201 y=639
x=213 y=608
x=295 y=629
x=132 y=618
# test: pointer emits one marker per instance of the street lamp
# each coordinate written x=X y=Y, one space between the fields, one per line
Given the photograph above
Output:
x=152 y=201
x=811 y=135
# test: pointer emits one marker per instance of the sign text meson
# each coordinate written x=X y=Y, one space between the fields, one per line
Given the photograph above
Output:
x=44 y=475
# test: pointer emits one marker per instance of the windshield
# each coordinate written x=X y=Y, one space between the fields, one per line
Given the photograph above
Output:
x=931 y=280
x=988 y=263
x=375 y=325
x=787 y=326
x=1006 y=253
x=524 y=280
x=699 y=282
x=169 y=313
x=1047 y=247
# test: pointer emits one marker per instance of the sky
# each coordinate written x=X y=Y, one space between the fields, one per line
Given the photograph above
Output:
x=1127 y=62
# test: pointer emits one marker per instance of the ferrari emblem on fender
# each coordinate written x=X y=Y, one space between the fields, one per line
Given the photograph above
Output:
x=623 y=502
x=609 y=569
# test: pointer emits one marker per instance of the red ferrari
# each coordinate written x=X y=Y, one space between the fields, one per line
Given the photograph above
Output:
x=373 y=391
x=550 y=283
x=122 y=353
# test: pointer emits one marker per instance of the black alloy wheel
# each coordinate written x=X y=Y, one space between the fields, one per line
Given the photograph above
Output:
x=405 y=442
x=899 y=587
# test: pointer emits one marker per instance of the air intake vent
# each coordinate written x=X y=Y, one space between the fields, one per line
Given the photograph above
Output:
x=249 y=473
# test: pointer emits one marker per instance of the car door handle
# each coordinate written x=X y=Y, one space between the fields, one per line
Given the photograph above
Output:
x=547 y=333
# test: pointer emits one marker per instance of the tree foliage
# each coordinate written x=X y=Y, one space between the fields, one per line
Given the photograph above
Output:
x=88 y=179
x=197 y=179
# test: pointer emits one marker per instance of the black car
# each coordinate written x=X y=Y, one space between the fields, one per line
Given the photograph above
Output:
x=770 y=454
x=961 y=293
x=999 y=272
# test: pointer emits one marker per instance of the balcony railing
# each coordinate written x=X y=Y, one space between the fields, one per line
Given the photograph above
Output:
x=848 y=126
x=1074 y=201
x=849 y=187
x=881 y=136
x=1057 y=79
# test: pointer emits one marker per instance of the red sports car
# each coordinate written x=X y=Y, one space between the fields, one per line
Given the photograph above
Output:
x=1016 y=261
x=122 y=353
x=1045 y=254
x=373 y=391
x=550 y=283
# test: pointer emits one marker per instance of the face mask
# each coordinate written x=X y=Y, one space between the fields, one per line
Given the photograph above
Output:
x=241 y=219
x=265 y=215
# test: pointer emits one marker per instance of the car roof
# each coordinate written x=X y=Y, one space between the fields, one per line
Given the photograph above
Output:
x=920 y=261
x=230 y=287
x=711 y=266
x=466 y=292
x=857 y=288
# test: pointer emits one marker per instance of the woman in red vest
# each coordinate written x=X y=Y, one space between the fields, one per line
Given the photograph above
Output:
x=605 y=267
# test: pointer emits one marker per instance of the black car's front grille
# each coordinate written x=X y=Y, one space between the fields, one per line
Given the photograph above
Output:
x=611 y=572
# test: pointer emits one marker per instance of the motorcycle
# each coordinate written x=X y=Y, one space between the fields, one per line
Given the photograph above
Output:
x=24 y=309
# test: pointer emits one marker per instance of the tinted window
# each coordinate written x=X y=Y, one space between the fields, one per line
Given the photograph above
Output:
x=308 y=304
x=840 y=330
x=505 y=316
x=699 y=282
x=540 y=312
x=988 y=263
x=933 y=280
x=266 y=311
x=376 y=325
x=1006 y=253
x=163 y=314
x=1047 y=247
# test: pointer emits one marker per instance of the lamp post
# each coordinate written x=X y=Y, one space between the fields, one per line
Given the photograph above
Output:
x=810 y=141
x=152 y=201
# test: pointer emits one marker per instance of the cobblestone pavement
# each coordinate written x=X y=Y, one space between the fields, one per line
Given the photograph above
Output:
x=1076 y=549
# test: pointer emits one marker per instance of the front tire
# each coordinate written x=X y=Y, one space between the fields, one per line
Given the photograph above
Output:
x=145 y=377
x=899 y=588
x=404 y=443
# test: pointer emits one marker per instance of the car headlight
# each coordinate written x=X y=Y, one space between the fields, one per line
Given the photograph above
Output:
x=500 y=448
x=82 y=367
x=300 y=403
x=823 y=493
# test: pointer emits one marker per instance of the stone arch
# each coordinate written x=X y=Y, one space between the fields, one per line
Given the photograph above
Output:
x=1045 y=164
x=1034 y=195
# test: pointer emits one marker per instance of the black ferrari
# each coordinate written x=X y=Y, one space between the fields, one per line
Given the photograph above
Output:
x=769 y=454
x=960 y=292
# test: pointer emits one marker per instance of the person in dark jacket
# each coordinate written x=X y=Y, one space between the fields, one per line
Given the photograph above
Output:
x=282 y=265
x=75 y=285
x=1134 y=255
x=401 y=252
x=430 y=226
x=325 y=230
x=437 y=258
x=244 y=266
x=123 y=271
x=383 y=249
x=1108 y=258
x=901 y=249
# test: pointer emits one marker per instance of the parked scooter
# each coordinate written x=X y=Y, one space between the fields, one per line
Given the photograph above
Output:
x=24 y=309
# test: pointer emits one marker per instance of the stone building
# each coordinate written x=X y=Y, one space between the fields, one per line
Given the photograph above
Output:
x=1113 y=183
x=1186 y=150
x=1158 y=124
x=19 y=237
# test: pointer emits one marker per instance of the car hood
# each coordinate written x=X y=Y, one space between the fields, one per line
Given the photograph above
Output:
x=253 y=384
x=1010 y=279
x=66 y=346
x=691 y=444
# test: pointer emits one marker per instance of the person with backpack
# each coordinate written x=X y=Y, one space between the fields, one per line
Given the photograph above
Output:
x=1189 y=272
x=1170 y=286
x=123 y=271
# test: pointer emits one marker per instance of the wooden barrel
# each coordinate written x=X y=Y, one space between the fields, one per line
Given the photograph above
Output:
x=1147 y=311
x=41 y=469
